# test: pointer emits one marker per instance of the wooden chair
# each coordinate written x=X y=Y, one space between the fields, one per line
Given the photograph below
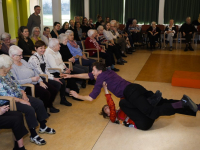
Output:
x=181 y=38
x=84 y=49
x=175 y=39
x=144 y=32
x=12 y=102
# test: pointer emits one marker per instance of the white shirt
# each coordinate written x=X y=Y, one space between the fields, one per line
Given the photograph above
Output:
x=108 y=35
x=54 y=60
x=35 y=62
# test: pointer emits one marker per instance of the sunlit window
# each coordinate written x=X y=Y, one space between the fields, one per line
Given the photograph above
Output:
x=47 y=13
x=65 y=10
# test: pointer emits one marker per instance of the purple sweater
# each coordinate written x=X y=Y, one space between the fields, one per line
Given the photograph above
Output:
x=115 y=83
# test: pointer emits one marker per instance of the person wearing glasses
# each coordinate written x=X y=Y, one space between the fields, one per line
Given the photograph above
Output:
x=5 y=37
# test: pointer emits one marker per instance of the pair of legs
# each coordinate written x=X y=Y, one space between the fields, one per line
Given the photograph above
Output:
x=122 y=42
x=137 y=37
x=46 y=95
x=170 y=37
x=37 y=107
x=108 y=56
x=14 y=120
x=153 y=39
x=188 y=38
x=137 y=107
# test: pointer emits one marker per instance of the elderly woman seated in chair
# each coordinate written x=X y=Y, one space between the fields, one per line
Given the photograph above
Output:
x=26 y=104
x=54 y=60
x=5 y=37
x=24 y=73
x=77 y=52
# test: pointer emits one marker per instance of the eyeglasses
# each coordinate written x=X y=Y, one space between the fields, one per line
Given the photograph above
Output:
x=19 y=55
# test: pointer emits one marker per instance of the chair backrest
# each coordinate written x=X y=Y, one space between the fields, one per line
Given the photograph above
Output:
x=121 y=26
x=144 y=28
x=83 y=44
x=162 y=28
x=198 y=29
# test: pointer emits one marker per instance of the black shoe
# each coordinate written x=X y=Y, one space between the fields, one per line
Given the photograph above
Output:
x=155 y=99
x=76 y=99
x=123 y=55
x=190 y=48
x=54 y=110
x=128 y=52
x=65 y=102
x=188 y=103
x=124 y=61
x=120 y=62
x=48 y=114
x=115 y=69
x=83 y=85
x=170 y=48
x=186 y=48
x=91 y=82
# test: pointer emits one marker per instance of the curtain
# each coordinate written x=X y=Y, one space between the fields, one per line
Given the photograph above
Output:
x=76 y=8
x=180 y=9
x=106 y=8
x=145 y=11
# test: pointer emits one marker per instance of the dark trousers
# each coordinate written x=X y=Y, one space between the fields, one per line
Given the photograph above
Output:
x=71 y=83
x=137 y=37
x=131 y=40
x=37 y=106
x=77 y=68
x=153 y=39
x=87 y=62
x=115 y=50
x=136 y=106
x=60 y=87
x=108 y=56
x=46 y=95
x=13 y=120
x=188 y=37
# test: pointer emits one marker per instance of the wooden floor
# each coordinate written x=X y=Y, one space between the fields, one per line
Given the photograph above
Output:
x=80 y=127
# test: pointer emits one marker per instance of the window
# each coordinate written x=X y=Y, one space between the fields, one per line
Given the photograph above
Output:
x=47 y=13
x=65 y=10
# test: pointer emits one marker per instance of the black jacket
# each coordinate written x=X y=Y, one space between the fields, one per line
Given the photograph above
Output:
x=76 y=37
x=27 y=47
x=187 y=28
x=65 y=52
x=173 y=28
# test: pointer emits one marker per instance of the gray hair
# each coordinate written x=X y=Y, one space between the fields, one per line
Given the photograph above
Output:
x=34 y=30
x=5 y=61
x=100 y=27
x=90 y=32
x=5 y=35
x=62 y=37
x=68 y=32
x=14 y=50
x=53 y=42
x=113 y=22
x=153 y=22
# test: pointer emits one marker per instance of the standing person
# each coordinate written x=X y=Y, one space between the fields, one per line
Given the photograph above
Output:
x=170 y=33
x=34 y=19
x=73 y=28
x=187 y=30
x=107 y=20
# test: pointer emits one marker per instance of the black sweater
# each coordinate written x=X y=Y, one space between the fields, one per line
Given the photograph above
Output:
x=187 y=28
x=76 y=37
x=27 y=47
x=157 y=30
x=65 y=53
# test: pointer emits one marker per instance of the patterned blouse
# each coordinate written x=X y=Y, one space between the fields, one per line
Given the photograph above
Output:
x=9 y=86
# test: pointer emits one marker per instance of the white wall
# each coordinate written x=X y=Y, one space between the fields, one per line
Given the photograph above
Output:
x=1 y=18
x=86 y=8
x=161 y=12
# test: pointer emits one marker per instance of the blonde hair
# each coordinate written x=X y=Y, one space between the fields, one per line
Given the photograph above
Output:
x=32 y=33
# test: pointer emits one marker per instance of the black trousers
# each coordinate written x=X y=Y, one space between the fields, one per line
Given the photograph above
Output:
x=37 y=107
x=108 y=56
x=13 y=120
x=71 y=83
x=137 y=37
x=153 y=39
x=136 y=106
x=46 y=95
x=115 y=50
x=188 y=37
x=60 y=87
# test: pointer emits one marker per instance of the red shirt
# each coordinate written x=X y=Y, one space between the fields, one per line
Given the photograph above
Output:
x=92 y=45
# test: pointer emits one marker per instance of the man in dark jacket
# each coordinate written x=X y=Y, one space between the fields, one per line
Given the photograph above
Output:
x=187 y=30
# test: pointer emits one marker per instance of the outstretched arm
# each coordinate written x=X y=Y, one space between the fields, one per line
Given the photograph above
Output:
x=80 y=76
x=76 y=95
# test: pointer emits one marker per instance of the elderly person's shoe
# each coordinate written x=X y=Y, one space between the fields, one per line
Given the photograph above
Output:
x=37 y=140
x=53 y=110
